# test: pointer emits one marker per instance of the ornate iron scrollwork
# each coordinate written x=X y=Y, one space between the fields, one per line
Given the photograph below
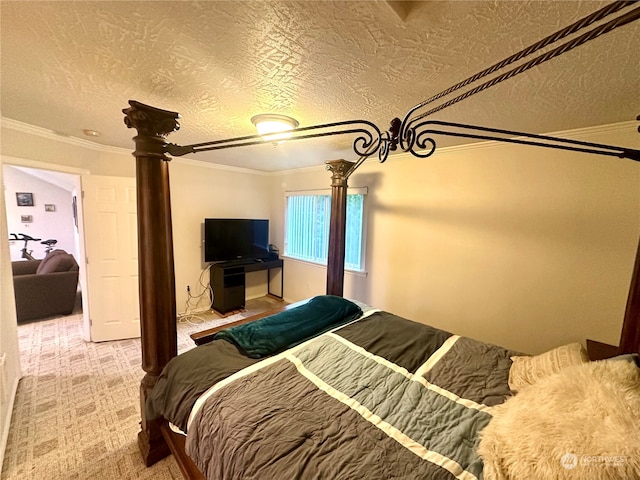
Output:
x=368 y=138
x=422 y=134
x=389 y=140
x=414 y=134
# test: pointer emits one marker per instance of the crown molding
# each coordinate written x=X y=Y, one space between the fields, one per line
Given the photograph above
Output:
x=290 y=171
x=218 y=166
x=45 y=133
x=25 y=162
x=41 y=132
x=577 y=133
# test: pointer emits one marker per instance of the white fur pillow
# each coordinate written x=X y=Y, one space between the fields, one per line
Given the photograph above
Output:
x=526 y=371
x=582 y=423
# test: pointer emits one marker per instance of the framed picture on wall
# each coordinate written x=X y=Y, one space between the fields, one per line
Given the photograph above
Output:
x=49 y=207
x=26 y=218
x=24 y=199
x=74 y=206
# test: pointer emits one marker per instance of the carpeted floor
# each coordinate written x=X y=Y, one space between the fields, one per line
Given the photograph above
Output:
x=76 y=414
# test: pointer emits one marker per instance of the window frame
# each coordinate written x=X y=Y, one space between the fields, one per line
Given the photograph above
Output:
x=326 y=191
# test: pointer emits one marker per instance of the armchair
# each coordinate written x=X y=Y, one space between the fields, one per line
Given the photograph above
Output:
x=45 y=287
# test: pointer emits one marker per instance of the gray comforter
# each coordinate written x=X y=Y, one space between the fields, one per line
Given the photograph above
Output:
x=382 y=398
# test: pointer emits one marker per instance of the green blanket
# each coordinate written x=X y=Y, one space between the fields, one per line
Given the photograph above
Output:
x=283 y=330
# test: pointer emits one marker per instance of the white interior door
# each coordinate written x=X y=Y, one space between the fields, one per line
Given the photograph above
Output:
x=111 y=245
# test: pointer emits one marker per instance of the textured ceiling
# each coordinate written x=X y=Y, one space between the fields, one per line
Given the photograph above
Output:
x=69 y=66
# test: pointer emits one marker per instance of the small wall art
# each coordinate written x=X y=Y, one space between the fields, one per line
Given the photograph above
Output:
x=24 y=199
x=49 y=207
x=26 y=218
x=74 y=205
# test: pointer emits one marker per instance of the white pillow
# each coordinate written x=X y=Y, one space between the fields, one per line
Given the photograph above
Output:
x=582 y=423
x=526 y=371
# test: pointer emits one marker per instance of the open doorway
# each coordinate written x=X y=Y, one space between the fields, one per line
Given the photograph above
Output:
x=44 y=204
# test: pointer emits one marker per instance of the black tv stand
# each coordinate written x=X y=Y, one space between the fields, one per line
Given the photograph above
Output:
x=228 y=281
x=242 y=262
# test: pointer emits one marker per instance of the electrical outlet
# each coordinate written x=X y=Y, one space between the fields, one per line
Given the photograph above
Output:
x=188 y=289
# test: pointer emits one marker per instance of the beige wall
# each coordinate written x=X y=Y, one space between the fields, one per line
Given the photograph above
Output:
x=50 y=149
x=519 y=246
x=198 y=190
x=9 y=354
x=302 y=279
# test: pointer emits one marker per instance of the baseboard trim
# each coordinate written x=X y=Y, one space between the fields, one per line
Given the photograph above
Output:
x=7 y=421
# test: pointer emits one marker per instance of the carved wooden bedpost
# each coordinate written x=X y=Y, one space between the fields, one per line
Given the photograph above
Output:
x=340 y=170
x=630 y=337
x=155 y=259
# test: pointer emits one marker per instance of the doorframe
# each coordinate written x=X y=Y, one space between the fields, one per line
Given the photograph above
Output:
x=82 y=261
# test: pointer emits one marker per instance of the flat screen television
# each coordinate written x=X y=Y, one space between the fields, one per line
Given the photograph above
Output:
x=228 y=239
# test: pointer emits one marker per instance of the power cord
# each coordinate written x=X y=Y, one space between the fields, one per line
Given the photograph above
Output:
x=190 y=315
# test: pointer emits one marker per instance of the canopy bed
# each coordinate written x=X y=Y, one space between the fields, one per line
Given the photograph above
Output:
x=415 y=134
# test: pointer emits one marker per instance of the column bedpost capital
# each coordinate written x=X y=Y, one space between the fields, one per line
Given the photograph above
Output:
x=153 y=125
x=339 y=171
x=148 y=120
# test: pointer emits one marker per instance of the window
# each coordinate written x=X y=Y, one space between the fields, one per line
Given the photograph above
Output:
x=307 y=227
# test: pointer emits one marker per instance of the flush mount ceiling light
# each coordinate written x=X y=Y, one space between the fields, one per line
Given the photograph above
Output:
x=274 y=127
x=91 y=133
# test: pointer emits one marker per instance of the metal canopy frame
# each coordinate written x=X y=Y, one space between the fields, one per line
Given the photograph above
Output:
x=414 y=134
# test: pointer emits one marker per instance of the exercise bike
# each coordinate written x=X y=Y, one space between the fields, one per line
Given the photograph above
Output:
x=26 y=254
